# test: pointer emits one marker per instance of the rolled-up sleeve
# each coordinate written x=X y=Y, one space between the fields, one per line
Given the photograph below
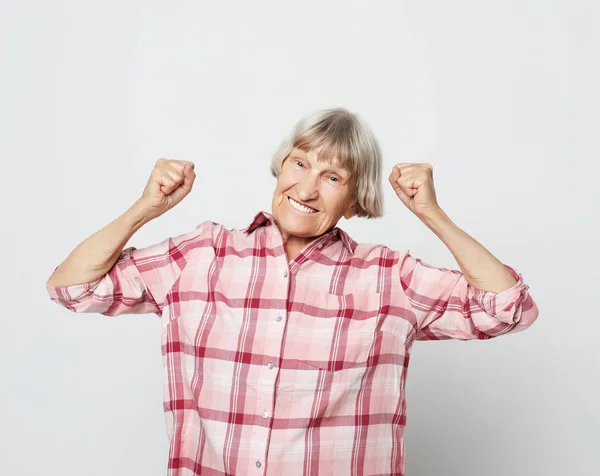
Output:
x=138 y=282
x=446 y=306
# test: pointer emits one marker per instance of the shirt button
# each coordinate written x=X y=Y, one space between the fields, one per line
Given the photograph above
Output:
x=285 y=274
x=278 y=318
x=264 y=414
x=320 y=246
x=258 y=464
x=270 y=365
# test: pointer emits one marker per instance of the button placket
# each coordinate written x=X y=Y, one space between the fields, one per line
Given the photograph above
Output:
x=265 y=403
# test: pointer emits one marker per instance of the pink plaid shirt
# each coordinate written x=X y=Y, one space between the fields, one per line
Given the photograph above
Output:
x=291 y=368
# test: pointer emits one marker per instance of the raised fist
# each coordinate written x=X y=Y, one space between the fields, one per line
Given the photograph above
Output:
x=169 y=183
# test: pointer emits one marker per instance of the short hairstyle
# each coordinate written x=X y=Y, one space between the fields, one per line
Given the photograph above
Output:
x=342 y=134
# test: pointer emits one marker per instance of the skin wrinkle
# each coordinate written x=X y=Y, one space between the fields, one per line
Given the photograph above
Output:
x=308 y=180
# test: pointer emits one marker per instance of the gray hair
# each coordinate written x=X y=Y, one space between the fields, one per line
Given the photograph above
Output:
x=342 y=134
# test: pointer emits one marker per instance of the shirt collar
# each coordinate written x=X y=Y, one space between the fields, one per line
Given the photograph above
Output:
x=265 y=219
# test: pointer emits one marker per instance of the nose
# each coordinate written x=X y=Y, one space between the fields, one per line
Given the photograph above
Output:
x=307 y=189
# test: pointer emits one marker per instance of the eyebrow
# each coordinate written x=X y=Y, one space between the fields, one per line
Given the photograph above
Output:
x=334 y=165
x=338 y=168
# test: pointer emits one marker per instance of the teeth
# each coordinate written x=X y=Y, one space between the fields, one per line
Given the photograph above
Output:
x=300 y=207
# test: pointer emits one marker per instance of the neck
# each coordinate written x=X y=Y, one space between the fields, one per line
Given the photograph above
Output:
x=294 y=245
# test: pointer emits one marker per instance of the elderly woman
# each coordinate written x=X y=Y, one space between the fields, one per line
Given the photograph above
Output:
x=286 y=344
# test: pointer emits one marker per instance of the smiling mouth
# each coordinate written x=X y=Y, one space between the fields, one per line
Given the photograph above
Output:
x=301 y=208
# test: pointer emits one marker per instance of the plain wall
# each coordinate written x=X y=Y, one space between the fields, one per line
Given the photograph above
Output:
x=501 y=97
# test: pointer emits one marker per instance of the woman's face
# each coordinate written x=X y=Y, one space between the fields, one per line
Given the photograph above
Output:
x=311 y=196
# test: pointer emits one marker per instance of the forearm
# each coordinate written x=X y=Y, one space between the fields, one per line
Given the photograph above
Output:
x=96 y=255
x=481 y=269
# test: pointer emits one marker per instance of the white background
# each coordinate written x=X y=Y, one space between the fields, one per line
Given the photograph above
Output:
x=500 y=96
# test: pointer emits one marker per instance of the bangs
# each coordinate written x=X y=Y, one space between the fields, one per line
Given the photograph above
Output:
x=331 y=140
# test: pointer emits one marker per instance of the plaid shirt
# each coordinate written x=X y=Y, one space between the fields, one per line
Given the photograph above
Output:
x=291 y=368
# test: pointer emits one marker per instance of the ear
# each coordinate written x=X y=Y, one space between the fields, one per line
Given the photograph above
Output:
x=350 y=210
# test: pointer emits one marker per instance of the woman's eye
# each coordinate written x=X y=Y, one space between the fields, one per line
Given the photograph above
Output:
x=334 y=179
x=299 y=163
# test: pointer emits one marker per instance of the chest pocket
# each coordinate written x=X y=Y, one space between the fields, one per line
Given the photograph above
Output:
x=333 y=332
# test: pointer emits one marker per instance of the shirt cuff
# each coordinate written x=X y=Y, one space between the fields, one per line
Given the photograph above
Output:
x=506 y=306
x=72 y=293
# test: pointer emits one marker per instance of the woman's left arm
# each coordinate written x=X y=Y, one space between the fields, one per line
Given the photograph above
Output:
x=486 y=300
x=481 y=269
x=413 y=183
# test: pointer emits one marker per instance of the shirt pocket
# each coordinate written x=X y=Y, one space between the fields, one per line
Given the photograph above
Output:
x=333 y=332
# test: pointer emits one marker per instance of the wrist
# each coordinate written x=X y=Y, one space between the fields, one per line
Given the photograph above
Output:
x=137 y=216
x=433 y=217
x=441 y=225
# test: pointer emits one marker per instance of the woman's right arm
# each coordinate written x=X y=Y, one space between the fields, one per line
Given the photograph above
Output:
x=170 y=182
x=100 y=276
x=96 y=255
